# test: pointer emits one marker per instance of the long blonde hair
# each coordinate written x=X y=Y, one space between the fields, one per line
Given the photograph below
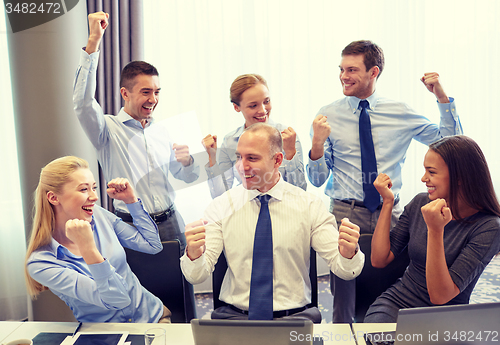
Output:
x=53 y=177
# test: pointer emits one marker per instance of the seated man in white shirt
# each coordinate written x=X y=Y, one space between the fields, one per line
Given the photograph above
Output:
x=299 y=221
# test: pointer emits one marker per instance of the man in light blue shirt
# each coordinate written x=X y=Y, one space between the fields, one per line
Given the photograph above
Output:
x=130 y=144
x=336 y=145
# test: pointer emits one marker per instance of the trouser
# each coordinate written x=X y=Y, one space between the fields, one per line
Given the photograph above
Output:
x=173 y=228
x=229 y=313
x=344 y=291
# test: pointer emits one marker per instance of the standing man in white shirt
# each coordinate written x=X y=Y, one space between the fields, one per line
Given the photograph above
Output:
x=299 y=221
x=336 y=146
x=130 y=144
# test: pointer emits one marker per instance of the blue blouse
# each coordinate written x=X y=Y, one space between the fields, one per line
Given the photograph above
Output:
x=108 y=291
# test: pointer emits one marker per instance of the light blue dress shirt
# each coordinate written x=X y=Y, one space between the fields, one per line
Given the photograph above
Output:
x=291 y=170
x=124 y=148
x=108 y=291
x=394 y=125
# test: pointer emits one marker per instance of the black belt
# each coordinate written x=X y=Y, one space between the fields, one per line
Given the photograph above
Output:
x=357 y=203
x=157 y=217
x=276 y=314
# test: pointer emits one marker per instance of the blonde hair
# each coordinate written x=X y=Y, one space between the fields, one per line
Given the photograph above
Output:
x=243 y=83
x=53 y=177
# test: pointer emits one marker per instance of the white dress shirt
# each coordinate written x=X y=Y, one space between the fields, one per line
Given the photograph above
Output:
x=299 y=220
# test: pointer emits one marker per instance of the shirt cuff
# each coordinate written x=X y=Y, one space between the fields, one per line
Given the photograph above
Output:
x=212 y=171
x=448 y=107
x=89 y=61
x=352 y=267
x=136 y=208
x=101 y=270
x=192 y=269
x=292 y=164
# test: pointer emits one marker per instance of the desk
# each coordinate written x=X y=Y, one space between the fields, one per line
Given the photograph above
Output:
x=177 y=333
x=7 y=327
x=361 y=328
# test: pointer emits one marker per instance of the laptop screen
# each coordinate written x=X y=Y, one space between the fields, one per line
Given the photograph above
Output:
x=452 y=324
x=250 y=332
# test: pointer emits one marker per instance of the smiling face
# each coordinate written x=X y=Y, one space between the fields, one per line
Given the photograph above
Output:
x=141 y=101
x=257 y=167
x=255 y=104
x=77 y=199
x=436 y=177
x=355 y=79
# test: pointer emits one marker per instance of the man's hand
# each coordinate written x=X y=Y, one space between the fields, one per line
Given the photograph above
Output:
x=348 y=238
x=289 y=136
x=195 y=239
x=182 y=154
x=321 y=131
x=120 y=189
x=431 y=82
x=436 y=215
x=210 y=145
x=98 y=22
x=383 y=185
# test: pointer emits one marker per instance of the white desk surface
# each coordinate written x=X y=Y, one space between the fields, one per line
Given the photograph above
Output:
x=177 y=333
x=7 y=327
x=361 y=328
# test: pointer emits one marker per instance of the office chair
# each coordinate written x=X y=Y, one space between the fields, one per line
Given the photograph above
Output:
x=161 y=275
x=221 y=268
x=49 y=307
x=372 y=282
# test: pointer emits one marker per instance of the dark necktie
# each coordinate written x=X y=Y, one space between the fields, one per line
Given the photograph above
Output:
x=261 y=285
x=368 y=159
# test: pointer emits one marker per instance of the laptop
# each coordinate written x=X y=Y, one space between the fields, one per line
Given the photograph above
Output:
x=443 y=325
x=252 y=332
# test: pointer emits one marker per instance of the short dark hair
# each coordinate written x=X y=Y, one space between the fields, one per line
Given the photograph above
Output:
x=132 y=70
x=274 y=136
x=373 y=55
x=470 y=178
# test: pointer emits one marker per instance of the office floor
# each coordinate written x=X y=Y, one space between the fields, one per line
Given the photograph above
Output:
x=487 y=290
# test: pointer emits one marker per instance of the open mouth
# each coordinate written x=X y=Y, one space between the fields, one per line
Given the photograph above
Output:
x=247 y=176
x=430 y=189
x=88 y=209
x=261 y=118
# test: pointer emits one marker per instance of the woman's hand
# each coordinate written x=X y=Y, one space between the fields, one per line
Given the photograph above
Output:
x=210 y=145
x=383 y=185
x=120 y=189
x=436 y=215
x=80 y=233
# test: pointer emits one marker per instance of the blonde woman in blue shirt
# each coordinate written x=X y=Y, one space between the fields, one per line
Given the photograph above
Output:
x=76 y=249
x=250 y=96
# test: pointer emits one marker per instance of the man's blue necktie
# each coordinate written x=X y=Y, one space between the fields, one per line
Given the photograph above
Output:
x=261 y=285
x=368 y=159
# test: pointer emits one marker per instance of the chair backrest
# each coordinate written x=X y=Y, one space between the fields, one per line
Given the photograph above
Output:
x=49 y=307
x=221 y=268
x=372 y=282
x=161 y=275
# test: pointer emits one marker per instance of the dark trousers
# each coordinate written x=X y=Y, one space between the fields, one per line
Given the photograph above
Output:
x=228 y=313
x=344 y=291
